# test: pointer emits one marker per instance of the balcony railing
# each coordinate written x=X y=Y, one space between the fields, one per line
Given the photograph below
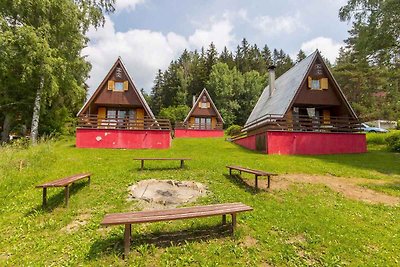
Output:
x=96 y=122
x=307 y=124
x=198 y=126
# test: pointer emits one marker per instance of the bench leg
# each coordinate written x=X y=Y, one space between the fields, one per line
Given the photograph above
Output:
x=142 y=165
x=269 y=180
x=66 y=195
x=89 y=180
x=127 y=240
x=182 y=163
x=233 y=221
x=230 y=172
x=44 y=197
x=224 y=219
x=256 y=182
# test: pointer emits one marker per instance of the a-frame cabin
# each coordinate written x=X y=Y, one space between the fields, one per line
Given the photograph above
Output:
x=203 y=119
x=304 y=111
x=118 y=116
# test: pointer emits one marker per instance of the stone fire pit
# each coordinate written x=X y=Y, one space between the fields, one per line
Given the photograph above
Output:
x=156 y=194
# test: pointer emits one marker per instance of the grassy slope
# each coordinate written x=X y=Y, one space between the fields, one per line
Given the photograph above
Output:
x=308 y=224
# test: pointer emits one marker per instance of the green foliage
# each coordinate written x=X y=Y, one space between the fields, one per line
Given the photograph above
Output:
x=233 y=130
x=393 y=142
x=398 y=125
x=174 y=113
x=300 y=226
x=235 y=93
x=376 y=29
x=368 y=69
x=40 y=44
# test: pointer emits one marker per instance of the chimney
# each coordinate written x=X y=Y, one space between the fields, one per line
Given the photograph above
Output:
x=194 y=99
x=271 y=70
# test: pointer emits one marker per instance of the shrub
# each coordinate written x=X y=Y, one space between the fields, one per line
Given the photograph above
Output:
x=233 y=130
x=393 y=142
x=174 y=113
x=377 y=138
x=398 y=125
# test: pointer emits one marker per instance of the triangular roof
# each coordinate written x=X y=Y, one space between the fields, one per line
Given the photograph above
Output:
x=287 y=87
x=204 y=92
x=102 y=84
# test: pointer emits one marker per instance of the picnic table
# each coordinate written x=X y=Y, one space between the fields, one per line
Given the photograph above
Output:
x=129 y=218
x=182 y=160
x=64 y=182
x=256 y=173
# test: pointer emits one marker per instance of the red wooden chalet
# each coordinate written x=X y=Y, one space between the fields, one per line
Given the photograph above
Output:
x=117 y=116
x=203 y=120
x=304 y=111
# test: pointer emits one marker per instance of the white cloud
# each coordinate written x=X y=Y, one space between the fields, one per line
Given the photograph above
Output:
x=146 y=51
x=328 y=47
x=278 y=25
x=143 y=52
x=127 y=5
x=219 y=32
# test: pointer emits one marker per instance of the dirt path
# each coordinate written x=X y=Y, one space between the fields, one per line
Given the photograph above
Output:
x=349 y=187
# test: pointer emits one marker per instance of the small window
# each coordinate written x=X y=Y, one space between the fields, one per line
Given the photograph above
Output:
x=315 y=85
x=119 y=86
x=204 y=105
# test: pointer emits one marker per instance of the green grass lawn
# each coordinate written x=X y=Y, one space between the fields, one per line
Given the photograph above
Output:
x=305 y=225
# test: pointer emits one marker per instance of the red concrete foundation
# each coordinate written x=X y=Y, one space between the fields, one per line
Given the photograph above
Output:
x=305 y=143
x=130 y=139
x=185 y=133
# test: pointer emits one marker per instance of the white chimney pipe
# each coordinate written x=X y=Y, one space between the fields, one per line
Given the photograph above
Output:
x=194 y=99
x=271 y=70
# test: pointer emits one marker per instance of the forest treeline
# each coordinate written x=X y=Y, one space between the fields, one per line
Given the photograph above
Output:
x=42 y=72
x=234 y=80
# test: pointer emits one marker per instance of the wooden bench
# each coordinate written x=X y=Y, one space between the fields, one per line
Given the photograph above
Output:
x=144 y=159
x=64 y=182
x=257 y=173
x=130 y=218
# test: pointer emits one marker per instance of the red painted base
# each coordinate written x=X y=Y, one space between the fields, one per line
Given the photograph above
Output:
x=131 y=139
x=184 y=133
x=306 y=143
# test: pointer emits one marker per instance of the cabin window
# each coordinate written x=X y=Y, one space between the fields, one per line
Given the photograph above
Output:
x=315 y=85
x=203 y=123
x=318 y=84
x=113 y=113
x=119 y=86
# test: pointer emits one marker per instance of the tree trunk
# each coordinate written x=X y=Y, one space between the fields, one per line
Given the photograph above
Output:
x=5 y=135
x=36 y=112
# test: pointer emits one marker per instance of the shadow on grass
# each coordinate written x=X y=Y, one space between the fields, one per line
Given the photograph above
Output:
x=381 y=161
x=392 y=188
x=107 y=246
x=55 y=200
x=237 y=180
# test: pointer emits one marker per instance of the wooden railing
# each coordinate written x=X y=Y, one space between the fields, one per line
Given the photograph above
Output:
x=93 y=121
x=198 y=126
x=306 y=124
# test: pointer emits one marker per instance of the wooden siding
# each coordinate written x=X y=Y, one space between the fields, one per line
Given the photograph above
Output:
x=327 y=99
x=204 y=112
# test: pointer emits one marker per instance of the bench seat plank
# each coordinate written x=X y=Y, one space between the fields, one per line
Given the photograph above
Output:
x=258 y=172
x=64 y=181
x=252 y=171
x=162 y=158
x=129 y=218
x=173 y=214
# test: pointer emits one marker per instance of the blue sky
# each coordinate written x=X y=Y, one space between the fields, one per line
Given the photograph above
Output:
x=148 y=34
